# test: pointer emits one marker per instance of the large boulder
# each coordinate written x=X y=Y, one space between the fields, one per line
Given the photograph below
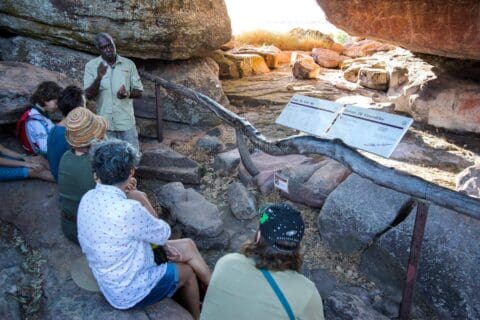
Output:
x=306 y=69
x=162 y=162
x=327 y=58
x=445 y=28
x=200 y=74
x=360 y=216
x=17 y=82
x=269 y=53
x=267 y=165
x=45 y=55
x=310 y=184
x=198 y=218
x=345 y=306
x=167 y=30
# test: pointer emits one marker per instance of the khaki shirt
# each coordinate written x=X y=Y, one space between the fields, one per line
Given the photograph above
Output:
x=118 y=112
x=238 y=290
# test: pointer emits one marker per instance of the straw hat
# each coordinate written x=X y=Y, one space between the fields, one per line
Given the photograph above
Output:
x=83 y=127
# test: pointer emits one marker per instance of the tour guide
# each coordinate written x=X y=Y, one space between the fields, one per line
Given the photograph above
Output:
x=113 y=81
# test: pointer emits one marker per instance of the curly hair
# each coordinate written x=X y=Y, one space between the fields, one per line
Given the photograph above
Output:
x=46 y=91
x=267 y=257
x=70 y=98
x=112 y=160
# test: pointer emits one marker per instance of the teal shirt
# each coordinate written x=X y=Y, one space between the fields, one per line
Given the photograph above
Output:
x=238 y=290
x=117 y=112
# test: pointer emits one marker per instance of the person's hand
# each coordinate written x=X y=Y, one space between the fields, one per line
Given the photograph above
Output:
x=122 y=93
x=102 y=69
x=172 y=253
x=137 y=195
x=34 y=166
x=34 y=162
x=131 y=185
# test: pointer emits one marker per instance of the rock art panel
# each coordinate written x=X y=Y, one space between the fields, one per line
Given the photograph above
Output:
x=445 y=28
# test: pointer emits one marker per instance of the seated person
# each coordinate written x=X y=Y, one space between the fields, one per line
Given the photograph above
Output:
x=116 y=228
x=37 y=123
x=15 y=166
x=75 y=175
x=70 y=98
x=241 y=287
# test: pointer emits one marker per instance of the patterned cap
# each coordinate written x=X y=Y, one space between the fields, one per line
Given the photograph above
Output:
x=281 y=222
x=83 y=127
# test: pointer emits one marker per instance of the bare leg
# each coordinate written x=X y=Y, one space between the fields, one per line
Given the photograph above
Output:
x=192 y=257
x=187 y=293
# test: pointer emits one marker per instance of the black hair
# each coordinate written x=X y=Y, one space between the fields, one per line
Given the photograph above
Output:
x=70 y=98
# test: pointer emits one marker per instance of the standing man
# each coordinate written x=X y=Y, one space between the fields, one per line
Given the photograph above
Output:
x=114 y=82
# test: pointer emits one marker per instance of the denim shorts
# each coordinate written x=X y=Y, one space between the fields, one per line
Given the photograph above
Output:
x=165 y=287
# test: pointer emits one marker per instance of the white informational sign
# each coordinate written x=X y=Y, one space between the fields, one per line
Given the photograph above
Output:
x=280 y=182
x=309 y=114
x=370 y=130
x=366 y=129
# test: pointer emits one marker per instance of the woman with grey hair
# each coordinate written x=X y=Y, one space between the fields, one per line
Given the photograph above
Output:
x=116 y=227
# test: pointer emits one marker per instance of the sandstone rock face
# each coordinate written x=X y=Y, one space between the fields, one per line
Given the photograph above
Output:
x=462 y=98
x=353 y=216
x=17 y=82
x=45 y=55
x=446 y=28
x=167 y=30
x=200 y=74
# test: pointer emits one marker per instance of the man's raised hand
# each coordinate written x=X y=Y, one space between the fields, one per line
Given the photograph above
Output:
x=102 y=69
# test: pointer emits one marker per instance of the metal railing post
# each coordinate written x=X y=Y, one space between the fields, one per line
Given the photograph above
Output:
x=412 y=267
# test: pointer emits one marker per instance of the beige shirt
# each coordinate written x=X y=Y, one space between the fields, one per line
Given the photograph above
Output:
x=118 y=112
x=238 y=290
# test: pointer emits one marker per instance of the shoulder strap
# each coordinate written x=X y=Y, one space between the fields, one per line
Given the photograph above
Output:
x=279 y=293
